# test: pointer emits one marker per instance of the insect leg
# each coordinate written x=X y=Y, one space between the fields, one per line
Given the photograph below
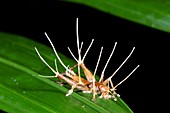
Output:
x=80 y=62
x=71 y=90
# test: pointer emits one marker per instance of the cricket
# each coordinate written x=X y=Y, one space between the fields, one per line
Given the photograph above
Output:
x=102 y=88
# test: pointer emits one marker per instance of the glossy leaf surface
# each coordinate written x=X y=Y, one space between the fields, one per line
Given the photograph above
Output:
x=22 y=90
x=152 y=13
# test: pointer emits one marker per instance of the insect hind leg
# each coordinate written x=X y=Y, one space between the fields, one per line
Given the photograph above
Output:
x=71 y=90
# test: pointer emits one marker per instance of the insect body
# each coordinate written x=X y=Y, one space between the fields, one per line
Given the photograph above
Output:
x=89 y=85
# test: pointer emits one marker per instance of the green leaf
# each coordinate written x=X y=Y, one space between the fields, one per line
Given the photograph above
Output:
x=152 y=13
x=22 y=90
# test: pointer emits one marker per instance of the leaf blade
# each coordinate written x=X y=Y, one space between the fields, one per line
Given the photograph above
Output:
x=20 y=85
x=151 y=13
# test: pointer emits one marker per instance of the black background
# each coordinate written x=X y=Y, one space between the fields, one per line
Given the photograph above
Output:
x=144 y=90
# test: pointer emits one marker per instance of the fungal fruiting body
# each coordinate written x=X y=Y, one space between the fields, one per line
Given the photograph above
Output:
x=104 y=88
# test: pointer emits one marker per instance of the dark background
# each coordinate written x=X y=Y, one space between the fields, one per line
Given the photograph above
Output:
x=144 y=90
